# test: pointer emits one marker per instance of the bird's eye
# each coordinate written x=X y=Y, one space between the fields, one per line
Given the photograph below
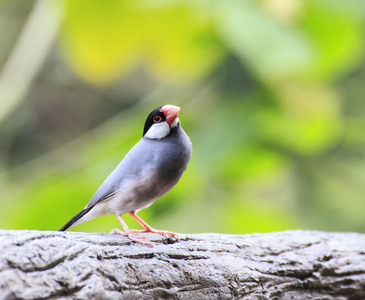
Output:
x=157 y=119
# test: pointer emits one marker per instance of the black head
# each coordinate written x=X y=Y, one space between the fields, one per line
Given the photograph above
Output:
x=156 y=116
x=160 y=122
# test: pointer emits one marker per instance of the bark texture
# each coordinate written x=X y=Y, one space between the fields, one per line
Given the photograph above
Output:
x=278 y=265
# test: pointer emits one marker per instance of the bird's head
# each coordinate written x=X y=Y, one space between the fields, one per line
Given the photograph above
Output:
x=160 y=122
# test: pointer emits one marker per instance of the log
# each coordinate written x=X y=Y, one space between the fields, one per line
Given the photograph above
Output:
x=277 y=265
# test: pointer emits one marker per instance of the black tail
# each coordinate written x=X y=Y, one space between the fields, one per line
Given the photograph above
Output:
x=75 y=218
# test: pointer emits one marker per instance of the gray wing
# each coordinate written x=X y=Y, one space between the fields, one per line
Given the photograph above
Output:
x=130 y=167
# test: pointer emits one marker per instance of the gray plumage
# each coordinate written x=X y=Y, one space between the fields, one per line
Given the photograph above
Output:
x=148 y=171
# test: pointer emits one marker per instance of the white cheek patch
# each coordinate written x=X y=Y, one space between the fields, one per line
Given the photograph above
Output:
x=158 y=131
x=175 y=123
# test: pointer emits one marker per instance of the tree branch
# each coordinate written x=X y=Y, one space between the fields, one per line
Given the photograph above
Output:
x=278 y=265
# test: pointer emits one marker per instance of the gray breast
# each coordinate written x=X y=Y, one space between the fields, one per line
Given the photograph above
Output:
x=173 y=156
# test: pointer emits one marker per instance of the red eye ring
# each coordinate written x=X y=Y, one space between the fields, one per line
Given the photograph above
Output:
x=157 y=119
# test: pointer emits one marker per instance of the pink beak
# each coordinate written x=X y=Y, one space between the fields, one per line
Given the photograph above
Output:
x=171 y=112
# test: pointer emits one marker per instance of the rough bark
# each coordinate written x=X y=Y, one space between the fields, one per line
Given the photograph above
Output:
x=278 y=265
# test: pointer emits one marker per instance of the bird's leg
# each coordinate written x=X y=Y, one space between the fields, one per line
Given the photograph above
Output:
x=148 y=228
x=127 y=232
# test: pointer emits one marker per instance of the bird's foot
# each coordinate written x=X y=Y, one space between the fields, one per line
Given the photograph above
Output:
x=134 y=238
x=163 y=232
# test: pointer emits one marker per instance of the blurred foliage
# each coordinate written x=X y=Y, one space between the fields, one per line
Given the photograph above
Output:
x=270 y=92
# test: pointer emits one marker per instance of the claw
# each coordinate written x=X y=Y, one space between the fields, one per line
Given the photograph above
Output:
x=165 y=233
x=148 y=228
x=133 y=237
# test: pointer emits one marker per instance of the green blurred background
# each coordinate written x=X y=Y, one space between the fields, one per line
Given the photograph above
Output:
x=272 y=96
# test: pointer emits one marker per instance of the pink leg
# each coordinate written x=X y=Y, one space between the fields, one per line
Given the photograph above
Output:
x=127 y=232
x=148 y=228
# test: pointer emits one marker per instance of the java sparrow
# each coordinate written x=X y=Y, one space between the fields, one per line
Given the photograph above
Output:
x=149 y=170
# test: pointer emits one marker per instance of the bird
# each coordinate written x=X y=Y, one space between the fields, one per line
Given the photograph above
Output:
x=152 y=167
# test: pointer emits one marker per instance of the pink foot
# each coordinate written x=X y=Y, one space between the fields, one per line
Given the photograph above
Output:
x=148 y=228
x=165 y=233
x=133 y=237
